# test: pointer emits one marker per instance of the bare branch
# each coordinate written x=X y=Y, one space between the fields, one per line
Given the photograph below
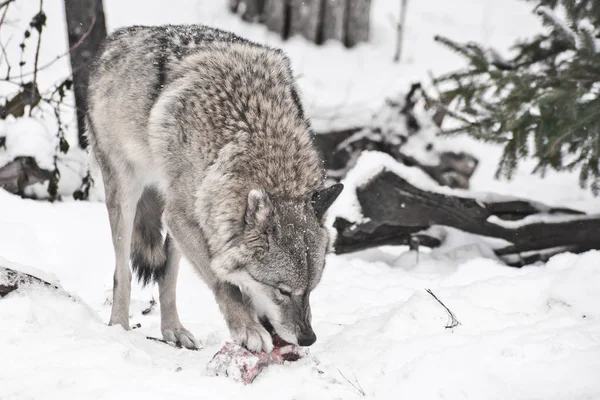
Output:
x=355 y=384
x=37 y=55
x=63 y=55
x=454 y=321
x=5 y=4
x=400 y=27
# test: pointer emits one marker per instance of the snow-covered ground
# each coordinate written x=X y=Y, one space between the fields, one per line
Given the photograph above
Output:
x=530 y=333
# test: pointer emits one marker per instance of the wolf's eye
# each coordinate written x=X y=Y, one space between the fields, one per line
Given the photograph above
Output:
x=285 y=293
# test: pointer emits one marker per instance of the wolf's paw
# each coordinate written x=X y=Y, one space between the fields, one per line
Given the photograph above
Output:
x=180 y=335
x=120 y=320
x=253 y=336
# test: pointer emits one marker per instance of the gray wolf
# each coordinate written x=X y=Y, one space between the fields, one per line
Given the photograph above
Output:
x=205 y=152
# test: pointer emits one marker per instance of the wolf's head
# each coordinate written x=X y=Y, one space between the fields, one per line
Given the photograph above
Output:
x=286 y=244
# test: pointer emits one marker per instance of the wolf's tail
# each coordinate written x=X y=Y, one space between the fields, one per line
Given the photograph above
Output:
x=149 y=254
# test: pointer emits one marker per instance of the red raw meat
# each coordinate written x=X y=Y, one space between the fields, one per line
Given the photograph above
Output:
x=241 y=364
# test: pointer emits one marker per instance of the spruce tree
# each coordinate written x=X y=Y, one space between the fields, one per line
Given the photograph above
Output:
x=543 y=102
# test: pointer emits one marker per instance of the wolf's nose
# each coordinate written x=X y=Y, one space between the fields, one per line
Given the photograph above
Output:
x=308 y=339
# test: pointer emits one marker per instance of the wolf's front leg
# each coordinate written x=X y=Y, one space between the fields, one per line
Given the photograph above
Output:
x=171 y=327
x=241 y=319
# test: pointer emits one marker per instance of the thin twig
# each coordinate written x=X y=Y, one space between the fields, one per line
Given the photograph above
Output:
x=75 y=46
x=454 y=321
x=159 y=340
x=37 y=55
x=356 y=385
x=150 y=307
x=11 y=82
x=5 y=4
x=4 y=13
x=400 y=28
x=5 y=57
x=85 y=34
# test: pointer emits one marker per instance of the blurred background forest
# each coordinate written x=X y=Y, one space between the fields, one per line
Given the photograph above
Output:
x=450 y=91
x=467 y=136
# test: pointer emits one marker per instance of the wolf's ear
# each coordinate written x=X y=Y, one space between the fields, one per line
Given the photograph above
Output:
x=323 y=199
x=259 y=210
x=259 y=213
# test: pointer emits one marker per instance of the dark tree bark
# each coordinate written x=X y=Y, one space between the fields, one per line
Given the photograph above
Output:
x=305 y=18
x=341 y=149
x=334 y=13
x=316 y=20
x=86 y=29
x=276 y=16
x=253 y=9
x=454 y=169
x=400 y=31
x=398 y=212
x=14 y=279
x=357 y=26
x=233 y=5
x=21 y=173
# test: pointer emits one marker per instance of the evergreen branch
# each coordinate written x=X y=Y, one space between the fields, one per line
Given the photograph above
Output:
x=551 y=19
x=459 y=49
x=586 y=38
x=543 y=103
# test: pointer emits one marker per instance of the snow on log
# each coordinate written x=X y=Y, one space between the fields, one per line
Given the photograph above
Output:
x=13 y=276
x=407 y=132
x=388 y=203
x=21 y=173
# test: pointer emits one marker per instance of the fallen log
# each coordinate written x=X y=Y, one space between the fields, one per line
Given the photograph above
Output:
x=13 y=276
x=397 y=212
x=21 y=173
x=405 y=132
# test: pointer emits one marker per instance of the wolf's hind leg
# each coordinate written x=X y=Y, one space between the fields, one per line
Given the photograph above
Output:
x=170 y=325
x=122 y=193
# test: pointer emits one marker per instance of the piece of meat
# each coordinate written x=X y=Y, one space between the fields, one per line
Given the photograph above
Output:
x=240 y=364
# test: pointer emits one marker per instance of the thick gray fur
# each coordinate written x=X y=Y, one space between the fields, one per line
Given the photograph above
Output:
x=200 y=133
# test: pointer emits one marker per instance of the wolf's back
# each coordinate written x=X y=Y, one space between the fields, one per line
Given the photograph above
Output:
x=134 y=65
x=167 y=100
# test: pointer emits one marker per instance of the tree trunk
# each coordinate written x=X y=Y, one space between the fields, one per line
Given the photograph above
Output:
x=86 y=29
x=233 y=5
x=253 y=10
x=316 y=20
x=276 y=16
x=358 y=19
x=400 y=30
x=333 y=21
x=305 y=18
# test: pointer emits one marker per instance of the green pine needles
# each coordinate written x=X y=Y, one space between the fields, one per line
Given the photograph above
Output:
x=544 y=102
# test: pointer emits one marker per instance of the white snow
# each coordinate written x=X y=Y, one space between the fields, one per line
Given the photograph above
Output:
x=29 y=270
x=525 y=333
x=368 y=165
x=542 y=218
x=557 y=21
x=530 y=333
